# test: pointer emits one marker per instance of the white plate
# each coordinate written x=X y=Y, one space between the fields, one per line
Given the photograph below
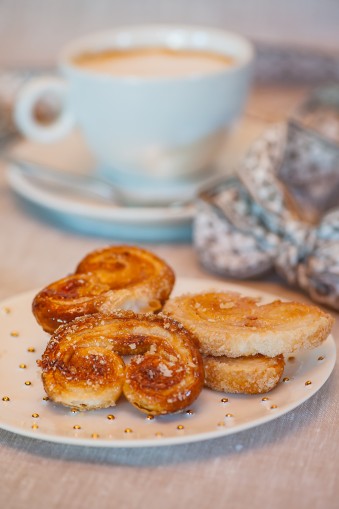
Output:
x=26 y=412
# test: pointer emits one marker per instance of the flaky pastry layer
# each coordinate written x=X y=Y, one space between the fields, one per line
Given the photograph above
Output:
x=233 y=325
x=116 y=277
x=82 y=365
x=255 y=374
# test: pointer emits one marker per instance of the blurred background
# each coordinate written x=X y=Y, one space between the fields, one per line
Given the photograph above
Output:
x=297 y=46
x=297 y=41
x=32 y=31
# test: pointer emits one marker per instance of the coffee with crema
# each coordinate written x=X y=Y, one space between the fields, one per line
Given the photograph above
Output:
x=153 y=62
x=151 y=112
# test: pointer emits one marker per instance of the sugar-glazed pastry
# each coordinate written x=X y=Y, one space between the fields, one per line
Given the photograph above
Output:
x=116 y=277
x=82 y=365
x=255 y=374
x=233 y=325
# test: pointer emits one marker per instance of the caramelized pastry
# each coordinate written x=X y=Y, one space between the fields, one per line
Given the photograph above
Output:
x=232 y=325
x=255 y=374
x=117 y=277
x=82 y=365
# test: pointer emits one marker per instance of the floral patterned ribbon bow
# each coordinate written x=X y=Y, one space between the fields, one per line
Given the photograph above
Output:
x=277 y=212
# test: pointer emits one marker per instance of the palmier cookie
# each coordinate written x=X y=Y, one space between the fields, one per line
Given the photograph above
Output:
x=233 y=325
x=117 y=277
x=82 y=366
x=255 y=374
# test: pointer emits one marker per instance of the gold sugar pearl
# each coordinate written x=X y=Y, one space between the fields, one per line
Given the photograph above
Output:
x=273 y=407
x=95 y=435
x=308 y=382
x=28 y=382
x=22 y=366
x=224 y=400
x=110 y=417
x=6 y=398
x=158 y=434
x=31 y=349
x=35 y=415
x=189 y=412
x=321 y=358
x=6 y=310
x=128 y=430
x=45 y=398
x=14 y=333
x=35 y=426
x=76 y=426
x=265 y=399
x=229 y=415
x=150 y=417
x=74 y=410
x=180 y=427
x=221 y=423
x=286 y=379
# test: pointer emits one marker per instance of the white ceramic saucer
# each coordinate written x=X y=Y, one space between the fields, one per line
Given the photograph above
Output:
x=150 y=224
x=99 y=217
x=160 y=223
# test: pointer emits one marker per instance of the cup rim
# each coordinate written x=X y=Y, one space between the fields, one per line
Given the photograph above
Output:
x=121 y=37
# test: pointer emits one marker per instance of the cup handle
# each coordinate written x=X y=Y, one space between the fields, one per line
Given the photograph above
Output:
x=25 y=107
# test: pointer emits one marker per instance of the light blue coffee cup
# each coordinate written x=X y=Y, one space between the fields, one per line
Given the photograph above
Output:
x=160 y=128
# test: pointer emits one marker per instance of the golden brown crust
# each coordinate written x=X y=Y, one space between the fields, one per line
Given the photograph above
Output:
x=243 y=375
x=116 y=277
x=80 y=367
x=233 y=325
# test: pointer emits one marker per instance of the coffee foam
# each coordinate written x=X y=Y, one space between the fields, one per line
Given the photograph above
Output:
x=153 y=62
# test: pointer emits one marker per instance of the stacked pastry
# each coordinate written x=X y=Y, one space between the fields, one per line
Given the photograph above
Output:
x=242 y=341
x=102 y=313
x=106 y=310
x=116 y=277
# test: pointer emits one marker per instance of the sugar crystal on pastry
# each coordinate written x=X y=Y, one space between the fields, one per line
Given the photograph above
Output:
x=112 y=278
x=243 y=341
x=82 y=366
x=230 y=324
